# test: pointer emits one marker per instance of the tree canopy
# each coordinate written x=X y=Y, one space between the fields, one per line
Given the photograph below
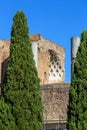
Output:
x=77 y=110
x=21 y=89
x=6 y=118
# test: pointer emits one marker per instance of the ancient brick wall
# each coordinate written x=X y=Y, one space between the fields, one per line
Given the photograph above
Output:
x=51 y=58
x=43 y=67
x=50 y=70
x=4 y=55
x=55 y=100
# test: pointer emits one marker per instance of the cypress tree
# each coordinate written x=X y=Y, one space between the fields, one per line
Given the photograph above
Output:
x=77 y=110
x=6 y=119
x=21 y=89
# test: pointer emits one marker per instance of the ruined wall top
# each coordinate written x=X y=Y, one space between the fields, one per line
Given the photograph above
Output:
x=45 y=44
x=51 y=60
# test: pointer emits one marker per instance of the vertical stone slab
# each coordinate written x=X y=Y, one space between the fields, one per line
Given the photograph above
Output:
x=35 y=52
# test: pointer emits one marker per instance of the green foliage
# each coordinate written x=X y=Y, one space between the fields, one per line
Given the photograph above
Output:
x=6 y=118
x=21 y=83
x=77 y=110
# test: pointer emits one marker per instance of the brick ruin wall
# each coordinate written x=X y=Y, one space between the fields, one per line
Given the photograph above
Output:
x=55 y=100
x=54 y=95
x=4 y=56
x=43 y=67
x=51 y=60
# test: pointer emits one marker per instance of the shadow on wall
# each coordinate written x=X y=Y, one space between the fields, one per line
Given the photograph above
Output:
x=3 y=71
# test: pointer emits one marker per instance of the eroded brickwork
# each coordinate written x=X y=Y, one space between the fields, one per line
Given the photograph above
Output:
x=43 y=67
x=55 y=100
x=50 y=59
x=4 y=55
x=54 y=91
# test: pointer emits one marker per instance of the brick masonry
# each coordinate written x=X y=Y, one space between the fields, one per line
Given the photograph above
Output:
x=55 y=100
x=51 y=60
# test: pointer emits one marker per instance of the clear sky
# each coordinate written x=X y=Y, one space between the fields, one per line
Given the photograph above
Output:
x=56 y=20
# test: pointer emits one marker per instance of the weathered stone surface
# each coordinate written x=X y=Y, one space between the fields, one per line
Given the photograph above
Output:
x=43 y=67
x=51 y=58
x=50 y=70
x=45 y=57
x=34 y=37
x=55 y=100
x=4 y=55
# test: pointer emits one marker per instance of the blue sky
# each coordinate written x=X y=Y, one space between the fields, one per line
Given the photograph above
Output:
x=56 y=20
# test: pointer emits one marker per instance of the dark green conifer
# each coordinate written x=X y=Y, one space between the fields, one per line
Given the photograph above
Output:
x=77 y=112
x=7 y=121
x=21 y=88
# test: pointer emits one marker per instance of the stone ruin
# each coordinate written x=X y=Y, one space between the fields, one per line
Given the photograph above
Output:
x=50 y=58
x=51 y=62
